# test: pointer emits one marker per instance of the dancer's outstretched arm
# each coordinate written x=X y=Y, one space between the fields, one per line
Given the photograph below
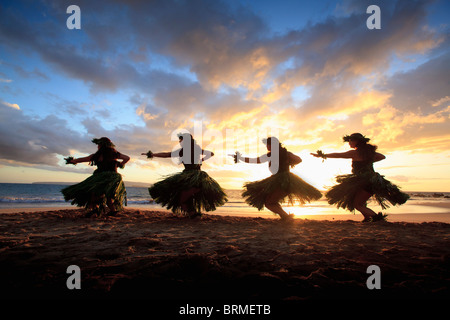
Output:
x=159 y=154
x=260 y=159
x=351 y=154
x=79 y=160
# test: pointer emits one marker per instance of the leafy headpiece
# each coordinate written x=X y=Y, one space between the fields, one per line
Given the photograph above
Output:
x=355 y=136
x=103 y=142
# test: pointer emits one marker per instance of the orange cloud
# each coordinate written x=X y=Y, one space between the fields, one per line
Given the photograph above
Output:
x=389 y=123
x=11 y=105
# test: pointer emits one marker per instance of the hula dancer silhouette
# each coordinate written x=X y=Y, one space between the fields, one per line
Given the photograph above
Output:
x=272 y=191
x=105 y=186
x=191 y=191
x=353 y=190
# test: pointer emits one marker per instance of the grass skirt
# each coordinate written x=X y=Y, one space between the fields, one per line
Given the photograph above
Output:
x=344 y=193
x=167 y=192
x=108 y=183
x=291 y=186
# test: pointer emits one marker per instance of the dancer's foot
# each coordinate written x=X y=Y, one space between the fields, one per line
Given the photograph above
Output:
x=113 y=213
x=379 y=217
x=194 y=215
x=92 y=212
x=376 y=217
x=288 y=217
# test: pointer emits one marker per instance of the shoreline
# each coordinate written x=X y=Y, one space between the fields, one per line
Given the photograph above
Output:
x=331 y=214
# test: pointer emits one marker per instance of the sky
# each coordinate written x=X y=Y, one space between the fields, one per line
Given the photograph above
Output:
x=232 y=73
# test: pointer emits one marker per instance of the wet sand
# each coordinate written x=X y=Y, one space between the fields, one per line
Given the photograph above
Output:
x=155 y=255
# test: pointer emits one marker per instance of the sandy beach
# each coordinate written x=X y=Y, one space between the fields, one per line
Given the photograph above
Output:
x=155 y=255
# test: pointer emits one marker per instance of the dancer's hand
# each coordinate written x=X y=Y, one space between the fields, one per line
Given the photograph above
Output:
x=319 y=154
x=69 y=160
x=237 y=156
x=149 y=154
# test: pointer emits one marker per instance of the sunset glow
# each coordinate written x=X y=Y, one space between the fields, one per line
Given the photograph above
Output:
x=231 y=73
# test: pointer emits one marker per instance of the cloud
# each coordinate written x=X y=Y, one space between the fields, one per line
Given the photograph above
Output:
x=440 y=102
x=390 y=123
x=416 y=110
x=221 y=45
x=35 y=141
x=421 y=87
x=10 y=105
x=340 y=53
x=181 y=61
x=36 y=73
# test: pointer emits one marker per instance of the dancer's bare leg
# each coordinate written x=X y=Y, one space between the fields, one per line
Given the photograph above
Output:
x=93 y=206
x=111 y=206
x=360 y=203
x=185 y=196
x=273 y=205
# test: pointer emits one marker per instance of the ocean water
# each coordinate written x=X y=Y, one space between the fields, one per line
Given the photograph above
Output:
x=18 y=195
x=15 y=195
